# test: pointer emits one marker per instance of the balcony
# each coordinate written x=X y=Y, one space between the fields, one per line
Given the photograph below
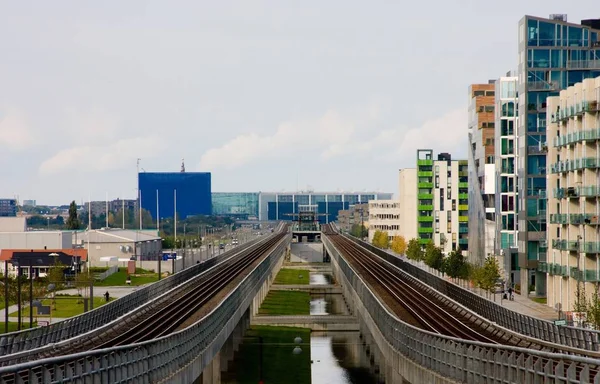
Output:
x=575 y=137
x=583 y=64
x=425 y=207
x=424 y=162
x=575 y=164
x=462 y=229
x=425 y=185
x=564 y=245
x=463 y=207
x=591 y=106
x=425 y=219
x=463 y=196
x=543 y=86
x=425 y=230
x=542 y=267
x=463 y=219
x=574 y=218
x=463 y=241
x=425 y=196
x=463 y=185
x=425 y=174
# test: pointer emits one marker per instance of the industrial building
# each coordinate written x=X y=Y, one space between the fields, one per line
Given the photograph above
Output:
x=188 y=192
x=112 y=246
x=283 y=206
x=573 y=136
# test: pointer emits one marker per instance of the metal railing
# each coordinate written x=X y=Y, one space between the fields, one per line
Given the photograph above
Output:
x=460 y=360
x=171 y=358
x=28 y=339
x=526 y=325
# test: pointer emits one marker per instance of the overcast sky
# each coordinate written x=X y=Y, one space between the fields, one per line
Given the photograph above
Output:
x=266 y=95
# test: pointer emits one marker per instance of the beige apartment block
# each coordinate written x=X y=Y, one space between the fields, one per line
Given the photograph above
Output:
x=408 y=203
x=384 y=215
x=573 y=141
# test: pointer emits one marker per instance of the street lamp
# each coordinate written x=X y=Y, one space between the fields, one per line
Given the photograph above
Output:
x=5 y=296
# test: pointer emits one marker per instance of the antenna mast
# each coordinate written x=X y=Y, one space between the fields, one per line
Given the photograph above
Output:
x=182 y=165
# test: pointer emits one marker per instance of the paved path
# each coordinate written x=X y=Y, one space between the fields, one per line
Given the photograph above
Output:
x=116 y=292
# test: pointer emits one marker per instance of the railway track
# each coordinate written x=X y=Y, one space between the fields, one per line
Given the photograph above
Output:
x=167 y=315
x=428 y=311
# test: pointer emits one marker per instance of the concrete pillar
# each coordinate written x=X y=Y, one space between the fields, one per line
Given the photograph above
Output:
x=212 y=372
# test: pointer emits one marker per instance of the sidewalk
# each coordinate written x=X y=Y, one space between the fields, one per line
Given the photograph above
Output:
x=520 y=304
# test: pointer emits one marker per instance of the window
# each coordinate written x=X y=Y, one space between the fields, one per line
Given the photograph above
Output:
x=490 y=93
x=437 y=181
x=478 y=93
x=441 y=199
x=453 y=205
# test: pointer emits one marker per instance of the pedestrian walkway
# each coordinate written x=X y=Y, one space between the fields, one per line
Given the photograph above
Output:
x=114 y=292
x=520 y=304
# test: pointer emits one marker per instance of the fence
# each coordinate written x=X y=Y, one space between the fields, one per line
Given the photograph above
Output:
x=108 y=272
x=15 y=342
x=182 y=354
x=526 y=325
x=466 y=361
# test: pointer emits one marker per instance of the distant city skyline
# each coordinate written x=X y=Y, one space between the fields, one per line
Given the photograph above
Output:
x=264 y=95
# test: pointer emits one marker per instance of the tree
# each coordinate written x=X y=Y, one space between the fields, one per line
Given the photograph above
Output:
x=489 y=274
x=593 y=310
x=73 y=222
x=580 y=304
x=414 y=251
x=455 y=265
x=359 y=231
x=56 y=274
x=381 y=239
x=399 y=244
x=376 y=237
x=433 y=256
x=83 y=282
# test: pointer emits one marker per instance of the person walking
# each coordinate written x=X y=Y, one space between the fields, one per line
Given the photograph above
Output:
x=510 y=294
x=107 y=296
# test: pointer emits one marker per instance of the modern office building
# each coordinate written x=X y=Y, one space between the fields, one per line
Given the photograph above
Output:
x=442 y=201
x=384 y=215
x=188 y=192
x=573 y=136
x=283 y=206
x=482 y=185
x=242 y=205
x=8 y=207
x=506 y=177
x=553 y=54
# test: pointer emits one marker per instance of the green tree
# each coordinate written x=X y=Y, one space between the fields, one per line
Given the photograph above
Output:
x=73 y=222
x=489 y=274
x=433 y=256
x=399 y=244
x=56 y=274
x=593 y=310
x=580 y=303
x=384 y=240
x=414 y=251
x=455 y=265
x=359 y=231
x=376 y=238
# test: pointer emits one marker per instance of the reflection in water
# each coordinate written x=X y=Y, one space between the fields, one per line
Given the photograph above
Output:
x=320 y=279
x=339 y=358
x=327 y=305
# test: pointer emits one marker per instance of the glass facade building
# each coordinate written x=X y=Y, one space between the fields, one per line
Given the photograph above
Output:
x=243 y=205
x=189 y=191
x=283 y=206
x=8 y=207
x=553 y=55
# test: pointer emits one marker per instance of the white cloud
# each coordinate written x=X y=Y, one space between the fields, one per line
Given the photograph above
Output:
x=98 y=158
x=334 y=135
x=15 y=133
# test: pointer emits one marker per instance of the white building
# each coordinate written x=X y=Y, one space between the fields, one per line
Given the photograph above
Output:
x=384 y=215
x=111 y=246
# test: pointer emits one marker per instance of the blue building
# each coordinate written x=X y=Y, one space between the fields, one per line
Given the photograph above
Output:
x=553 y=55
x=191 y=191
x=8 y=207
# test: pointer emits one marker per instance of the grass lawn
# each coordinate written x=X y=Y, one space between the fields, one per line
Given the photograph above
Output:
x=67 y=306
x=12 y=327
x=278 y=303
x=280 y=365
x=118 y=279
x=292 y=276
x=541 y=300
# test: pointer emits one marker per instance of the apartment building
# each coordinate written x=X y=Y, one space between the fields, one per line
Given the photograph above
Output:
x=384 y=215
x=408 y=202
x=442 y=201
x=357 y=214
x=553 y=55
x=505 y=236
x=574 y=226
x=481 y=167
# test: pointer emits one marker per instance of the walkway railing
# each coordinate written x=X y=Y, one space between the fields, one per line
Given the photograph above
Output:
x=523 y=324
x=466 y=361
x=15 y=342
x=171 y=358
x=112 y=270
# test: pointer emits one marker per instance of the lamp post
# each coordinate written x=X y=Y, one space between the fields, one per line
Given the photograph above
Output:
x=18 y=294
x=5 y=296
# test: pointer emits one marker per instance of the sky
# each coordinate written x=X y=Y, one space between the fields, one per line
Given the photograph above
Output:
x=265 y=95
